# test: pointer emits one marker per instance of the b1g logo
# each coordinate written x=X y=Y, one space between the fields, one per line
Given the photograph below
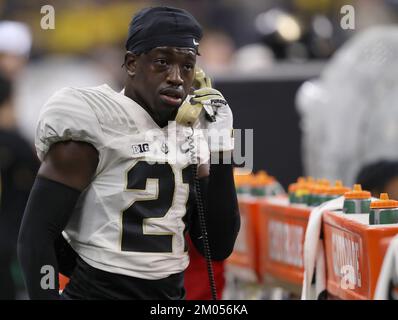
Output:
x=140 y=148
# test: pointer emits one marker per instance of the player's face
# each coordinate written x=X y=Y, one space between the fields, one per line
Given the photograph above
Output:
x=162 y=80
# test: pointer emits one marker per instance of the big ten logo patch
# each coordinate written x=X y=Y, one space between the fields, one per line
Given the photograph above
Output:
x=140 y=148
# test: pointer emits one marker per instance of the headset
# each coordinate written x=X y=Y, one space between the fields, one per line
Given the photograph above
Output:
x=187 y=114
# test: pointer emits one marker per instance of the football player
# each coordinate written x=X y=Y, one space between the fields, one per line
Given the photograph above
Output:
x=119 y=186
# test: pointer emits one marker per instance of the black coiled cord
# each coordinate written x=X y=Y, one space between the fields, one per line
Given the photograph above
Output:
x=202 y=221
x=203 y=229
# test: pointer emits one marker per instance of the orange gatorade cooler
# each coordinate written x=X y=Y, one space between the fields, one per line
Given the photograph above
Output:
x=243 y=262
x=281 y=244
x=357 y=200
x=353 y=255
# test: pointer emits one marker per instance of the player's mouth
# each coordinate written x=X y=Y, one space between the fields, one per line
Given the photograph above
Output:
x=172 y=97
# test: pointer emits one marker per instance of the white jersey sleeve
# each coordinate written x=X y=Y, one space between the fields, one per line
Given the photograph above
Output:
x=67 y=116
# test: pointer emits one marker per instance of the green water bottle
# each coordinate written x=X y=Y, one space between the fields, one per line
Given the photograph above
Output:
x=243 y=184
x=357 y=200
x=383 y=211
x=336 y=191
x=293 y=188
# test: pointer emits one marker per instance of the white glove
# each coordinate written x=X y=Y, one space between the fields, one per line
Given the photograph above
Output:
x=219 y=119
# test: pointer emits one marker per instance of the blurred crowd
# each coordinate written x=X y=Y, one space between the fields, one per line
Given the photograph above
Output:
x=86 y=48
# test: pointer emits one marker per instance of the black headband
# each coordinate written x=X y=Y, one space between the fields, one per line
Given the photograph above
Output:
x=163 y=27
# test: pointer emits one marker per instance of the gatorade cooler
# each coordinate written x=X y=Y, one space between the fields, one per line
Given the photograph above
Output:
x=281 y=244
x=243 y=262
x=353 y=255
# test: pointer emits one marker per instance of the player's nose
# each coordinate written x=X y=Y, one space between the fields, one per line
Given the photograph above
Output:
x=174 y=76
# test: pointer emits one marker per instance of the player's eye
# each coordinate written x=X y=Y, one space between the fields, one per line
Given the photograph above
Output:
x=161 y=62
x=188 y=66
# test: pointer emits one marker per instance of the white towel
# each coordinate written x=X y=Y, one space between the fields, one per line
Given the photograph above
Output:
x=314 y=251
x=389 y=271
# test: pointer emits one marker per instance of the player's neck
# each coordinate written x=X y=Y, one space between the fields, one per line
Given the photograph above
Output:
x=158 y=119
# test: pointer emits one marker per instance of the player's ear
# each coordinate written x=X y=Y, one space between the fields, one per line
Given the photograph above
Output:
x=130 y=63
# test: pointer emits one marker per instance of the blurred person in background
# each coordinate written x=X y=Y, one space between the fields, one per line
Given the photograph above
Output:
x=217 y=50
x=15 y=44
x=31 y=80
x=379 y=177
x=18 y=167
x=349 y=114
x=254 y=57
x=18 y=163
x=53 y=72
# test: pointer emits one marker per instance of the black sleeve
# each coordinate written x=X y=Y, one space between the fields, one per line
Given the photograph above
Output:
x=222 y=212
x=47 y=212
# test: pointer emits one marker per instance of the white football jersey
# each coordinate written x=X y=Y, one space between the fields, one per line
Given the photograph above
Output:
x=129 y=220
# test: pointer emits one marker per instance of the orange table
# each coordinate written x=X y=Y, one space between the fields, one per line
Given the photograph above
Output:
x=353 y=255
x=243 y=262
x=281 y=244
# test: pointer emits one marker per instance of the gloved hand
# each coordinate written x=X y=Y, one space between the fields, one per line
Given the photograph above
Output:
x=218 y=119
